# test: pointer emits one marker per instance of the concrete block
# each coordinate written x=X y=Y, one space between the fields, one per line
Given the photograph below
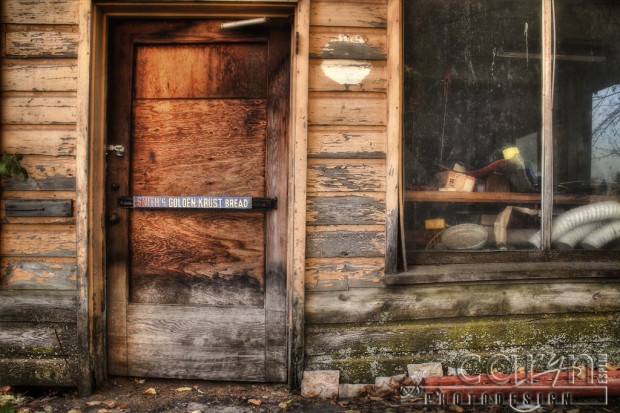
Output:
x=320 y=383
x=351 y=391
x=419 y=371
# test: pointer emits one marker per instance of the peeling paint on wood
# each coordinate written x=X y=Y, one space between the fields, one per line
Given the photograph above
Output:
x=349 y=13
x=40 y=11
x=41 y=41
x=328 y=75
x=37 y=240
x=29 y=274
x=356 y=44
x=336 y=274
x=39 y=110
x=354 y=108
x=325 y=175
x=355 y=242
x=53 y=140
x=50 y=75
x=46 y=174
x=346 y=142
x=345 y=210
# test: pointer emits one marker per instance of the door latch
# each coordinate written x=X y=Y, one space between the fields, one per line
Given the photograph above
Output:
x=119 y=149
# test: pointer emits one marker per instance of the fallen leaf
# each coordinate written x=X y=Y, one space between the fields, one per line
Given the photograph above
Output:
x=110 y=404
x=184 y=389
x=611 y=367
x=255 y=402
x=123 y=407
x=196 y=411
x=74 y=411
x=94 y=403
x=343 y=403
x=139 y=381
x=5 y=389
x=377 y=399
x=455 y=408
x=284 y=405
x=104 y=411
x=198 y=390
x=352 y=411
x=150 y=391
x=521 y=370
x=573 y=411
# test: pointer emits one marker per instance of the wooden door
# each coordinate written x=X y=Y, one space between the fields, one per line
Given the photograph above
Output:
x=195 y=292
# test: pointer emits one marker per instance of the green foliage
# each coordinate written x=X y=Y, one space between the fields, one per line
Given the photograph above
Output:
x=10 y=166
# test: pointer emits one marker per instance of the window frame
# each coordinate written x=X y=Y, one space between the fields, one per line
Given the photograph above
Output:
x=421 y=267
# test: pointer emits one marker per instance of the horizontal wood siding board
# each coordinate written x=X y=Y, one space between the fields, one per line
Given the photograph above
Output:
x=426 y=274
x=40 y=12
x=49 y=75
x=340 y=274
x=364 y=369
x=56 y=372
x=37 y=240
x=326 y=243
x=41 y=42
x=53 y=140
x=46 y=173
x=346 y=142
x=38 y=306
x=326 y=175
x=38 y=207
x=347 y=108
x=344 y=210
x=41 y=274
x=167 y=345
x=341 y=75
x=471 y=334
x=38 y=340
x=443 y=301
x=348 y=43
x=39 y=110
x=349 y=13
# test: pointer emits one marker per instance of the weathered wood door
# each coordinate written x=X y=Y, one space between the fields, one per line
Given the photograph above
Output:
x=199 y=111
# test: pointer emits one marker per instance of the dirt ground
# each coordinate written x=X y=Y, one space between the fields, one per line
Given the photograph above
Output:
x=127 y=395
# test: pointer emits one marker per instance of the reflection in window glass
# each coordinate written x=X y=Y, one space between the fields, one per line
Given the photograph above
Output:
x=586 y=125
x=472 y=123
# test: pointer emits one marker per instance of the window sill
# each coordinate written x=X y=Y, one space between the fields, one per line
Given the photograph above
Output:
x=528 y=271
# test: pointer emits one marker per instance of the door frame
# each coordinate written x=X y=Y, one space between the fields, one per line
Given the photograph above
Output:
x=90 y=171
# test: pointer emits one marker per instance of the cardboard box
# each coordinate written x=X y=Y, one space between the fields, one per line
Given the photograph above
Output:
x=455 y=181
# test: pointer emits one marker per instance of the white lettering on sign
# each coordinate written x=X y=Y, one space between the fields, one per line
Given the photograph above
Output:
x=193 y=202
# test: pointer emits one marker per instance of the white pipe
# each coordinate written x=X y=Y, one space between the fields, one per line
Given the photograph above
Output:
x=582 y=215
x=572 y=237
x=602 y=236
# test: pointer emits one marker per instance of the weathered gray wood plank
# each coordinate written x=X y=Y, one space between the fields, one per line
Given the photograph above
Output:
x=346 y=142
x=214 y=343
x=356 y=43
x=326 y=242
x=39 y=110
x=39 y=207
x=453 y=300
x=38 y=340
x=344 y=109
x=340 y=274
x=52 y=140
x=46 y=173
x=37 y=240
x=345 y=210
x=47 y=372
x=38 y=306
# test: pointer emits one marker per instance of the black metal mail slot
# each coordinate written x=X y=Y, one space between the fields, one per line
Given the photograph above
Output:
x=198 y=202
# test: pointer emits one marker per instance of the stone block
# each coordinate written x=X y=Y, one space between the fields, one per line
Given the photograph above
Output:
x=320 y=384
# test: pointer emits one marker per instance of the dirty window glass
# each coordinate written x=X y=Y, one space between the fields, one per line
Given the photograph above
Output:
x=472 y=124
x=586 y=119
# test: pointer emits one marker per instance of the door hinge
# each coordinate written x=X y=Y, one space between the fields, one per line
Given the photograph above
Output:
x=119 y=149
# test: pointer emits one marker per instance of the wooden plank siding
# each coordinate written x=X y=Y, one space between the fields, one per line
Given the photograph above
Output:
x=38 y=303
x=347 y=118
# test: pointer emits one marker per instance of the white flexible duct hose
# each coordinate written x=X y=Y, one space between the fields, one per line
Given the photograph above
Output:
x=572 y=237
x=602 y=236
x=582 y=215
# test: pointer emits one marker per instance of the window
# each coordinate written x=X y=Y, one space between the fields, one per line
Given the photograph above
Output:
x=494 y=168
